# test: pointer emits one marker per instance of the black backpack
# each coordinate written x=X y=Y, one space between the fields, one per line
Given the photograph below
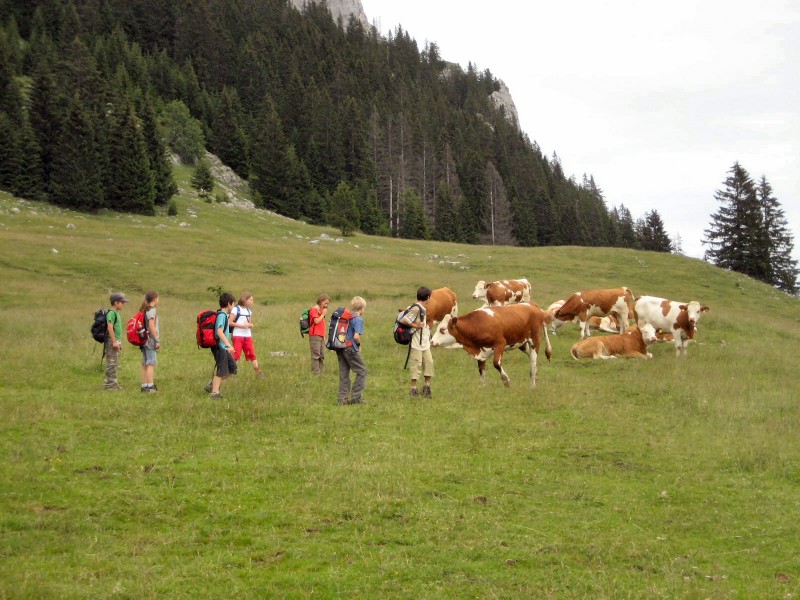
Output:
x=402 y=331
x=100 y=326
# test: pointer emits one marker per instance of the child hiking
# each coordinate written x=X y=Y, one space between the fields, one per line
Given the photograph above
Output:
x=242 y=331
x=316 y=333
x=420 y=359
x=153 y=344
x=350 y=357
x=113 y=343
x=224 y=365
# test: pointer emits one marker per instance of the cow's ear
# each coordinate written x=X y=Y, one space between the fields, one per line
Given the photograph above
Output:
x=705 y=309
x=486 y=286
x=453 y=321
x=682 y=307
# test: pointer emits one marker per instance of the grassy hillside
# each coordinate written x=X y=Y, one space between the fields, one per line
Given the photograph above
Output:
x=663 y=478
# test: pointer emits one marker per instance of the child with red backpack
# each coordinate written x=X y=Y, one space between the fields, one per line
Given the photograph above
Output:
x=153 y=344
x=350 y=356
x=225 y=365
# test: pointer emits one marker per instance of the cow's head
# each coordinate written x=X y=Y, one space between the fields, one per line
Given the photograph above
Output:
x=443 y=337
x=480 y=290
x=649 y=334
x=689 y=315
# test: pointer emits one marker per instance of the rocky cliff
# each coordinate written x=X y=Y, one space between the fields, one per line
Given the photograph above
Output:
x=345 y=8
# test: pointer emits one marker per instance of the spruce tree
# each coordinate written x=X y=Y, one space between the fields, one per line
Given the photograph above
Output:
x=131 y=186
x=736 y=233
x=413 y=223
x=343 y=211
x=652 y=235
x=75 y=180
x=228 y=139
x=202 y=179
x=26 y=164
x=165 y=186
x=783 y=268
x=270 y=165
x=446 y=219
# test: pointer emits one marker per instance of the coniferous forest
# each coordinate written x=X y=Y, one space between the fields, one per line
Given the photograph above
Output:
x=95 y=94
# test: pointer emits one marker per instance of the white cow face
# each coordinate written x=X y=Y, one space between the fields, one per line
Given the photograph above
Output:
x=442 y=338
x=480 y=290
x=693 y=312
x=648 y=333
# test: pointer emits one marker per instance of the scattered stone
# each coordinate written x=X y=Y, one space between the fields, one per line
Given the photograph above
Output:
x=314 y=242
x=183 y=224
x=161 y=226
x=53 y=250
x=15 y=210
x=70 y=226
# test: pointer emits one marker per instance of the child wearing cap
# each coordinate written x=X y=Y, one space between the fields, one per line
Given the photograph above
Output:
x=113 y=343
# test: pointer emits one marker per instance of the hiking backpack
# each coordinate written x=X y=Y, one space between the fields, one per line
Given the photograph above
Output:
x=100 y=326
x=136 y=330
x=402 y=331
x=305 y=322
x=206 y=333
x=337 y=330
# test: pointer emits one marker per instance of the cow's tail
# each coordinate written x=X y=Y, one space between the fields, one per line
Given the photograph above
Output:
x=548 y=349
x=574 y=354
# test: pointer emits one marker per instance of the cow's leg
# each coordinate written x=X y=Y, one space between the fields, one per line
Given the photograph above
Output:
x=482 y=371
x=498 y=364
x=533 y=356
x=622 y=315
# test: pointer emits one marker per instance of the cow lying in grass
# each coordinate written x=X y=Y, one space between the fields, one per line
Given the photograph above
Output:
x=626 y=345
x=489 y=331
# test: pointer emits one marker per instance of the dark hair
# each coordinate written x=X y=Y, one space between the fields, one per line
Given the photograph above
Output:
x=423 y=293
x=226 y=299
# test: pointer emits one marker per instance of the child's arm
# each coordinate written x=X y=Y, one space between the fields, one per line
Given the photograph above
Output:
x=151 y=328
x=114 y=341
x=223 y=338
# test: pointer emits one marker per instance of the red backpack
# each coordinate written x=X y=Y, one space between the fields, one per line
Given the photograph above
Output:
x=136 y=330
x=206 y=336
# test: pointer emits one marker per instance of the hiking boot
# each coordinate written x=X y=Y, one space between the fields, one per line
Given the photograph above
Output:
x=208 y=387
x=113 y=386
x=414 y=392
x=426 y=391
x=216 y=396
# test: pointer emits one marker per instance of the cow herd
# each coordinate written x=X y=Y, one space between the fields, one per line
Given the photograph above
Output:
x=509 y=319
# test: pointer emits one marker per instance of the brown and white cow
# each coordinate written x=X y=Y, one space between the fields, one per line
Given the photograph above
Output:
x=589 y=303
x=661 y=336
x=490 y=330
x=443 y=301
x=505 y=291
x=678 y=318
x=609 y=323
x=626 y=345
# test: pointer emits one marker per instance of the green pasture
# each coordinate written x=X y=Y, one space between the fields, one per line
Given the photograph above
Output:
x=666 y=478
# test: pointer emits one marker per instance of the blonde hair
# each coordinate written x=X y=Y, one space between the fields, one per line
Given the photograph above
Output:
x=244 y=298
x=358 y=303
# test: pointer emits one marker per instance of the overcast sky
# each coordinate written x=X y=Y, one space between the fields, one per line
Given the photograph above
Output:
x=656 y=101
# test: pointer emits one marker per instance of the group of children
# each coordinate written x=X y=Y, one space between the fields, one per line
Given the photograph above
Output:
x=233 y=335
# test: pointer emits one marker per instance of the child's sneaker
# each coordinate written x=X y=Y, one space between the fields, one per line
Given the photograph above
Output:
x=426 y=391
x=261 y=374
x=216 y=396
x=208 y=387
x=414 y=392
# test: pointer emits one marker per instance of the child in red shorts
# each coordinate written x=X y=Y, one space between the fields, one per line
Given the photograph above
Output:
x=242 y=328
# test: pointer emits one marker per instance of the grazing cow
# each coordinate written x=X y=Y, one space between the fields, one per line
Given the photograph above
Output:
x=443 y=301
x=627 y=345
x=589 y=303
x=490 y=330
x=507 y=291
x=609 y=323
x=678 y=318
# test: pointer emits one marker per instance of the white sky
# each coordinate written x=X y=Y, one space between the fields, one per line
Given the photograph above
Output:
x=656 y=101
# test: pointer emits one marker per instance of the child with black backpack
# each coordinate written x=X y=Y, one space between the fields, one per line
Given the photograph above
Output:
x=420 y=356
x=113 y=341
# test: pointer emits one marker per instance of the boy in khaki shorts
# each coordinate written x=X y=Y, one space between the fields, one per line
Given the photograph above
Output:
x=420 y=359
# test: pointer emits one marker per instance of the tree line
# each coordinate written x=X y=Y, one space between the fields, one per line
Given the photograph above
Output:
x=94 y=92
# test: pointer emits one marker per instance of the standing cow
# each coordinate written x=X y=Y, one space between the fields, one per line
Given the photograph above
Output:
x=489 y=331
x=678 y=318
x=443 y=301
x=589 y=303
x=609 y=323
x=500 y=293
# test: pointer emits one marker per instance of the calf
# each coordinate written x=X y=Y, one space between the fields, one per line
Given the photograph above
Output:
x=627 y=345
x=660 y=335
x=589 y=303
x=678 y=318
x=489 y=331
x=507 y=291
x=443 y=301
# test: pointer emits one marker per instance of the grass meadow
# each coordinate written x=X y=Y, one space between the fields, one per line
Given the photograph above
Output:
x=666 y=478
